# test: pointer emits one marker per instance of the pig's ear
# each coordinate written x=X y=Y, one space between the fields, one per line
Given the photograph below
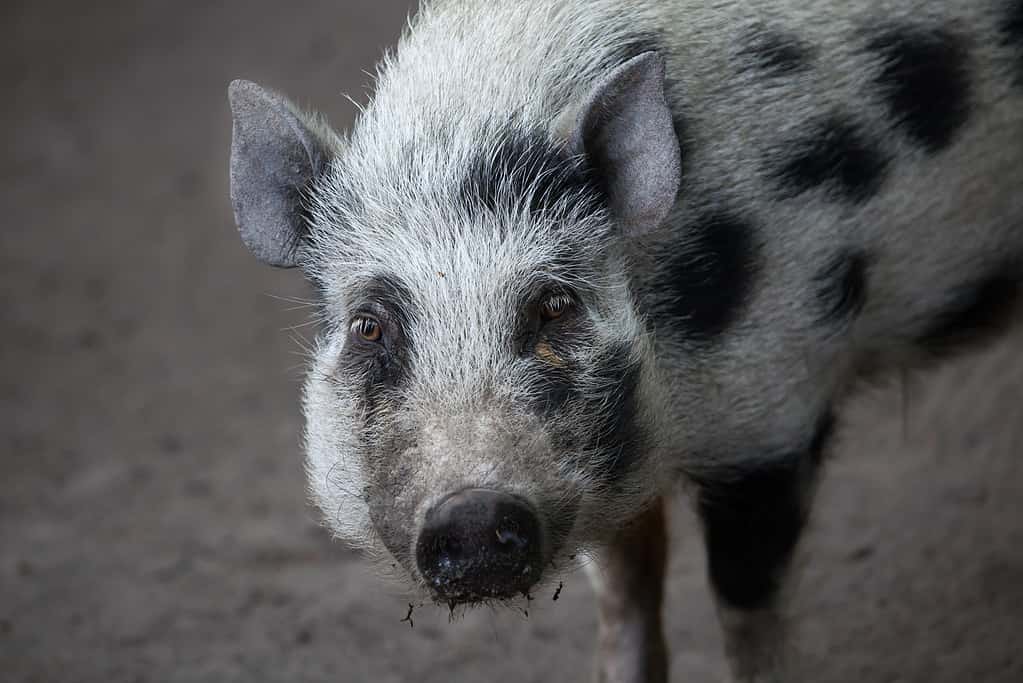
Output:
x=275 y=154
x=626 y=131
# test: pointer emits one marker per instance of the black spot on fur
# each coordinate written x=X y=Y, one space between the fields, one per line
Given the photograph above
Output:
x=925 y=81
x=751 y=527
x=384 y=364
x=836 y=155
x=618 y=433
x=774 y=53
x=548 y=345
x=554 y=373
x=527 y=166
x=753 y=519
x=842 y=288
x=527 y=170
x=975 y=313
x=708 y=282
x=1012 y=34
x=554 y=389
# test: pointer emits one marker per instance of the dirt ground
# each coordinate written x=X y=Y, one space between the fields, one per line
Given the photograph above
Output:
x=153 y=522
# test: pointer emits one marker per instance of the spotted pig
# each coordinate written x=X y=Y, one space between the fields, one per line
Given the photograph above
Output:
x=575 y=253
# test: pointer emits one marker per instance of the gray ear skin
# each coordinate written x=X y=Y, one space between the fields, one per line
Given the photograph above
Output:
x=625 y=128
x=274 y=157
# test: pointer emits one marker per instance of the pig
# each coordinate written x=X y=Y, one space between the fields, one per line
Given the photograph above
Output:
x=575 y=257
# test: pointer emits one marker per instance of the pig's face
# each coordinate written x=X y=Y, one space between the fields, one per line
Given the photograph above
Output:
x=479 y=406
x=481 y=402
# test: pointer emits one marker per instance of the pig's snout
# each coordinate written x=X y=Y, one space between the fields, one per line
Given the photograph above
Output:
x=478 y=544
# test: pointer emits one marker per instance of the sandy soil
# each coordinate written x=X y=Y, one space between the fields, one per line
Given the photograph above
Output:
x=153 y=524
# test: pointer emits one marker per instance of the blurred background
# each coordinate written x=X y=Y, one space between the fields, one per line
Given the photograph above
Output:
x=153 y=518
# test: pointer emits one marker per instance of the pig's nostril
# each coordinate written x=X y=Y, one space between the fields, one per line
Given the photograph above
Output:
x=509 y=538
x=479 y=544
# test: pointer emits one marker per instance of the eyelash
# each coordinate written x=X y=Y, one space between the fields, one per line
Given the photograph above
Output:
x=366 y=328
x=555 y=306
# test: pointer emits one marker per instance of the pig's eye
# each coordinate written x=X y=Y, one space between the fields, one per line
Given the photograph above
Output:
x=366 y=328
x=555 y=306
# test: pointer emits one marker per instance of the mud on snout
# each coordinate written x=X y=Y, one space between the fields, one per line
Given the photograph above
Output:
x=471 y=507
x=475 y=508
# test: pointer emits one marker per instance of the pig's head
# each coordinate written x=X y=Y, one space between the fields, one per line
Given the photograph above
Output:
x=482 y=401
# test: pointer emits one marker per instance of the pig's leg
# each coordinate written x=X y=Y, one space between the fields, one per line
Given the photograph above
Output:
x=629 y=582
x=752 y=523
